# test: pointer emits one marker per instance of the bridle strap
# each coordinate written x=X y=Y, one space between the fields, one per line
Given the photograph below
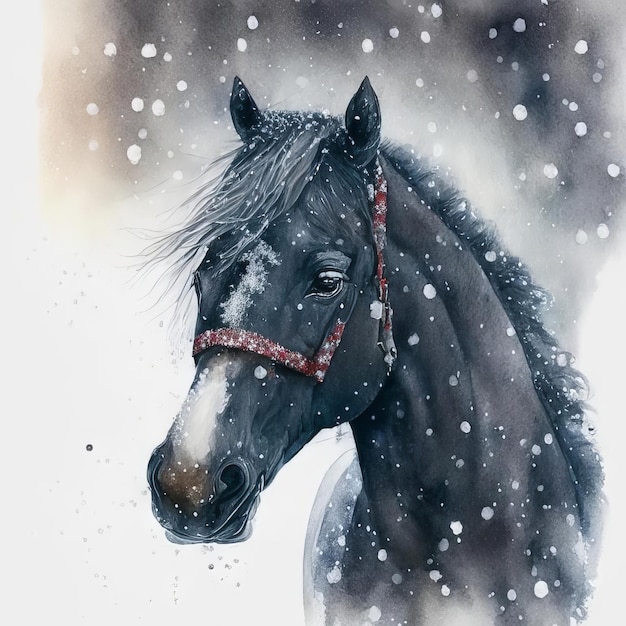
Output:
x=379 y=226
x=249 y=341
x=317 y=366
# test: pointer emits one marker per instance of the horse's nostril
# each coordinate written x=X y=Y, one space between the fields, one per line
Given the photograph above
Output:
x=232 y=480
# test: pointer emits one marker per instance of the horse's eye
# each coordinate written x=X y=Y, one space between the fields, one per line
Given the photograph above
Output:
x=327 y=283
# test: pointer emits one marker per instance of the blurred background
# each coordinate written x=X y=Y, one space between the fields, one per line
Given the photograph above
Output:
x=112 y=112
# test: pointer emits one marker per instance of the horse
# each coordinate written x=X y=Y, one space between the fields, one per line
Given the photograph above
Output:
x=340 y=280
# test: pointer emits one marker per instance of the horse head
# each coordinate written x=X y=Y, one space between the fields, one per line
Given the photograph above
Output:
x=290 y=288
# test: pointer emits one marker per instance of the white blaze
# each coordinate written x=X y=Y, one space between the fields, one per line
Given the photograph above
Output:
x=195 y=424
x=253 y=281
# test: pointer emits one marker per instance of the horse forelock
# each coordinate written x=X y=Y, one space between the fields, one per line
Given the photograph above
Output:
x=263 y=180
x=562 y=389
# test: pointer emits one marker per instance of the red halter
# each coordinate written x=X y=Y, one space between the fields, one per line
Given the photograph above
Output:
x=253 y=342
x=317 y=366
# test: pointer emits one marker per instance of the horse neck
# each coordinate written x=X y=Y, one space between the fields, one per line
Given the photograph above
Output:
x=453 y=431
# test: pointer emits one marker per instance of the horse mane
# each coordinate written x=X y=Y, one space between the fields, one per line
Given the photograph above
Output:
x=562 y=389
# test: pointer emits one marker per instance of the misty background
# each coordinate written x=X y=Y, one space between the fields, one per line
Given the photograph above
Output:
x=523 y=101
x=125 y=106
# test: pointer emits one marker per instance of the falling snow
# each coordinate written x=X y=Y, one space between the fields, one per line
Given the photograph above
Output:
x=519 y=25
x=376 y=310
x=148 y=51
x=541 y=589
x=581 y=47
x=613 y=170
x=334 y=576
x=158 y=108
x=429 y=291
x=374 y=614
x=367 y=45
x=137 y=104
x=110 y=49
x=550 y=170
x=580 y=129
x=487 y=513
x=581 y=236
x=519 y=112
x=260 y=372
x=134 y=154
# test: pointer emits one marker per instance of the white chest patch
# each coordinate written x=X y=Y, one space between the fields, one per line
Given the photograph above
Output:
x=253 y=281
x=194 y=427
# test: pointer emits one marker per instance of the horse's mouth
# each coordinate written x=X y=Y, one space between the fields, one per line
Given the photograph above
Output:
x=232 y=526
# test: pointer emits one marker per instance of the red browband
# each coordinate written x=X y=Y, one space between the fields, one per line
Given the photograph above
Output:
x=253 y=342
x=317 y=366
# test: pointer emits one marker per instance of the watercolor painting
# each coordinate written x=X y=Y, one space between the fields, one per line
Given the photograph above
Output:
x=324 y=306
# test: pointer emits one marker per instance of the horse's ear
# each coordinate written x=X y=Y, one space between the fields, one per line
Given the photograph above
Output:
x=244 y=111
x=363 y=124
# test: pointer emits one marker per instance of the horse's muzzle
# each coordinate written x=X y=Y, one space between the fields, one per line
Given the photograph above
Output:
x=196 y=508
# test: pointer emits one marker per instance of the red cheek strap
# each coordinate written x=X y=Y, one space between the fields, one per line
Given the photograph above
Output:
x=249 y=341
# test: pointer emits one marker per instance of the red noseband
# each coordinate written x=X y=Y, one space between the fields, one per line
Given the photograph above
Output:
x=253 y=342
x=317 y=366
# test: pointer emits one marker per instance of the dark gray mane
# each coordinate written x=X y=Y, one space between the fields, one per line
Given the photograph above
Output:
x=562 y=389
